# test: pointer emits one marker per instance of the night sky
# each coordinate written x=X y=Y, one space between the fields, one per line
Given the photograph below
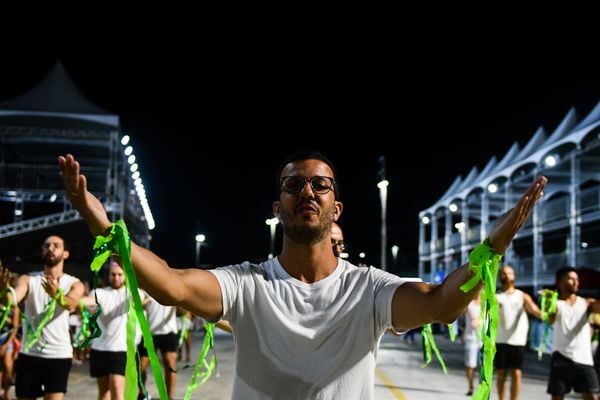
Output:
x=459 y=82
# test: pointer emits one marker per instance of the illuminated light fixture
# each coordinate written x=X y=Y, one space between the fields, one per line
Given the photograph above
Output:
x=425 y=220
x=344 y=255
x=18 y=213
x=131 y=159
x=135 y=175
x=128 y=150
x=134 y=167
x=53 y=198
x=362 y=254
x=584 y=245
x=550 y=160
x=453 y=207
x=383 y=184
x=459 y=226
x=125 y=140
x=492 y=188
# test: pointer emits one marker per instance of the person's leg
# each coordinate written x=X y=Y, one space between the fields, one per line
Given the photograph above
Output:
x=144 y=361
x=501 y=383
x=470 y=376
x=103 y=392
x=116 y=384
x=8 y=362
x=515 y=383
x=169 y=364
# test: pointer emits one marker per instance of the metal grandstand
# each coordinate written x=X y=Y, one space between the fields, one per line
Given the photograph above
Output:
x=52 y=119
x=563 y=229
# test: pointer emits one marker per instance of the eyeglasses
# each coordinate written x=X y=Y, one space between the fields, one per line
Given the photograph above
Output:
x=338 y=243
x=295 y=184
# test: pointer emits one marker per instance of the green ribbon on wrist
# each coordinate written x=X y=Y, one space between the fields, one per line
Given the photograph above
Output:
x=484 y=264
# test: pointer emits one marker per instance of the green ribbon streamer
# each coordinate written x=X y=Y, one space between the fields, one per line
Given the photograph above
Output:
x=33 y=335
x=484 y=264
x=209 y=366
x=451 y=332
x=131 y=372
x=548 y=306
x=118 y=242
x=84 y=331
x=428 y=345
x=6 y=311
x=183 y=335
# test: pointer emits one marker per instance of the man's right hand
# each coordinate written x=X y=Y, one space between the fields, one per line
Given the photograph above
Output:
x=91 y=209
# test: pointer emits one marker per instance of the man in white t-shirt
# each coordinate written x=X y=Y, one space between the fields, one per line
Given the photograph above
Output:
x=108 y=356
x=307 y=324
x=513 y=327
x=47 y=354
x=572 y=364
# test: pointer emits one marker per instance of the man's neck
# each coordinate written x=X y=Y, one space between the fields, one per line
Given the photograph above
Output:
x=56 y=271
x=510 y=289
x=308 y=263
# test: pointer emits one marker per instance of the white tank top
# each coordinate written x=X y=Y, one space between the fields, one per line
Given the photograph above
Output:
x=513 y=325
x=55 y=340
x=572 y=333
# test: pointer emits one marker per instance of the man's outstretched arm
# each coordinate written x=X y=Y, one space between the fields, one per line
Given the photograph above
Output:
x=195 y=290
x=417 y=303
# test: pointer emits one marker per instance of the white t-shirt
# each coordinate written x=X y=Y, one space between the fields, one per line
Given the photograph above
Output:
x=55 y=340
x=112 y=320
x=572 y=334
x=161 y=319
x=514 y=324
x=296 y=340
x=472 y=313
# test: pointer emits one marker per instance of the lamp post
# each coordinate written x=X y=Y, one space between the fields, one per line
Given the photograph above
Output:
x=272 y=222
x=382 y=185
x=200 y=238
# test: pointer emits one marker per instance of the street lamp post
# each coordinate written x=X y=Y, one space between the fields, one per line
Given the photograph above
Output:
x=382 y=185
x=272 y=222
x=199 y=240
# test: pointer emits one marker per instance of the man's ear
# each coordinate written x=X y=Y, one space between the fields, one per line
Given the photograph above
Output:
x=276 y=208
x=339 y=207
x=66 y=254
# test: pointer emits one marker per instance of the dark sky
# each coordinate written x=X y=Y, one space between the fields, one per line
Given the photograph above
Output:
x=450 y=85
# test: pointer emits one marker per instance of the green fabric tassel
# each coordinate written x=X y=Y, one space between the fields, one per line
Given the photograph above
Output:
x=209 y=366
x=118 y=242
x=484 y=263
x=429 y=345
x=548 y=306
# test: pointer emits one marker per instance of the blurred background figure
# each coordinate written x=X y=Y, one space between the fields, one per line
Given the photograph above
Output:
x=472 y=340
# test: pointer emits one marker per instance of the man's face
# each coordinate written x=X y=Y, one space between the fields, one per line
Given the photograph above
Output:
x=116 y=277
x=337 y=240
x=507 y=276
x=306 y=216
x=53 y=251
x=569 y=283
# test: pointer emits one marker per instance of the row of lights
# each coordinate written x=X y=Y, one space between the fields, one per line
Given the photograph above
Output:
x=549 y=161
x=137 y=181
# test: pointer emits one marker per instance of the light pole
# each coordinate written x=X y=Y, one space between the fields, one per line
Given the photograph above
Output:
x=395 y=255
x=200 y=238
x=272 y=222
x=382 y=185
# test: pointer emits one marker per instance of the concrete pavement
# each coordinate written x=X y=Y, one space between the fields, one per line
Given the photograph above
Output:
x=399 y=375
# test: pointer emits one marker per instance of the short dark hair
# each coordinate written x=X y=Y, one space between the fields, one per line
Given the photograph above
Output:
x=564 y=271
x=306 y=154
